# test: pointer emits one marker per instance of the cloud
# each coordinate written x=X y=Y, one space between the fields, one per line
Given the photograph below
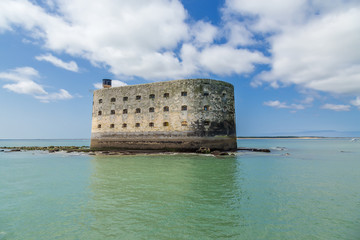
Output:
x=336 y=107
x=356 y=102
x=313 y=44
x=24 y=83
x=134 y=38
x=71 y=66
x=61 y=95
x=114 y=83
x=278 y=104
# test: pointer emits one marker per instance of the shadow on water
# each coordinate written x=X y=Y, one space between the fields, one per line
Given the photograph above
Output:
x=183 y=196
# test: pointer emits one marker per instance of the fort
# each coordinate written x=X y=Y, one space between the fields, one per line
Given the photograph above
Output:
x=178 y=115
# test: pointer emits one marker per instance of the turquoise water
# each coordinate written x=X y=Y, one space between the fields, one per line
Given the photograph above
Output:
x=311 y=193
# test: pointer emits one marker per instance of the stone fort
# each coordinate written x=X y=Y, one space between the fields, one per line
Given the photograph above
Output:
x=178 y=115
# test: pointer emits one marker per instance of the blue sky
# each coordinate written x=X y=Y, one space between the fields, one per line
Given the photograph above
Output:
x=295 y=65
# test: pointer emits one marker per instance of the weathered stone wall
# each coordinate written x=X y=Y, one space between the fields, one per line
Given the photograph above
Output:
x=204 y=117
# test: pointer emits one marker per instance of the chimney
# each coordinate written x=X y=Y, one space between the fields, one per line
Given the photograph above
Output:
x=106 y=83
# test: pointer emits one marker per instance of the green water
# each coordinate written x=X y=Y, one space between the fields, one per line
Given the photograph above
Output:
x=313 y=193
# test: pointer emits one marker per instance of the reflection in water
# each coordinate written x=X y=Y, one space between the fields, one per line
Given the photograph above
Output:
x=183 y=196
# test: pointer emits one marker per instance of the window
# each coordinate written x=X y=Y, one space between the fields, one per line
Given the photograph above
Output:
x=125 y=111
x=138 y=110
x=151 y=124
x=137 y=124
x=224 y=94
x=112 y=112
x=184 y=108
x=206 y=108
x=113 y=99
x=184 y=94
x=151 y=109
x=166 y=95
x=184 y=123
x=206 y=94
x=124 y=125
x=166 y=109
x=206 y=122
x=152 y=96
x=99 y=125
x=112 y=125
x=138 y=97
x=125 y=99
x=166 y=124
x=99 y=113
x=100 y=100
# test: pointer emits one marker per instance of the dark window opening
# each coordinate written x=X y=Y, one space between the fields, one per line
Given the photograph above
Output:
x=137 y=124
x=125 y=111
x=166 y=95
x=112 y=112
x=206 y=123
x=151 y=124
x=166 y=124
x=224 y=94
x=184 y=108
x=99 y=113
x=100 y=100
x=112 y=125
x=124 y=125
x=206 y=94
x=113 y=100
x=206 y=108
x=152 y=96
x=125 y=98
x=138 y=110
x=184 y=94
x=99 y=125
x=151 y=109
x=166 y=109
x=184 y=123
x=138 y=97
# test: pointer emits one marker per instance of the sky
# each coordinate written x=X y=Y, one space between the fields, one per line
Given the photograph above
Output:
x=295 y=65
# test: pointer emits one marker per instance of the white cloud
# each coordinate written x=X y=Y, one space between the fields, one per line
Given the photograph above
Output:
x=134 y=38
x=278 y=104
x=61 y=95
x=313 y=44
x=336 y=107
x=356 y=102
x=71 y=66
x=203 y=32
x=23 y=82
x=225 y=60
x=114 y=83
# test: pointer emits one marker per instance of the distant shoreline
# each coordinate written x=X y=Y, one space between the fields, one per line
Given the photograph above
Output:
x=293 y=137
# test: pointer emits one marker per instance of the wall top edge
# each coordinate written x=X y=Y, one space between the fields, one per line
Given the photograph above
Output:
x=165 y=82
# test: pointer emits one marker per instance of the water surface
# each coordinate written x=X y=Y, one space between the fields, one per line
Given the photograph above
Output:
x=313 y=193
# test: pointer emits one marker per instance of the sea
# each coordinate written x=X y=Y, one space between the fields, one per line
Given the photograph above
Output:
x=303 y=189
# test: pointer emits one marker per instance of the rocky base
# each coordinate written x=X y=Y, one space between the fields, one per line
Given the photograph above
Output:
x=87 y=150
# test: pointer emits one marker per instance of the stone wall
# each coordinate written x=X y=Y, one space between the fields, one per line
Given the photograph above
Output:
x=187 y=114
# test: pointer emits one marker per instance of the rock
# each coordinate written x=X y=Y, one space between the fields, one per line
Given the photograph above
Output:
x=203 y=150
x=254 y=149
x=216 y=153
x=224 y=153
